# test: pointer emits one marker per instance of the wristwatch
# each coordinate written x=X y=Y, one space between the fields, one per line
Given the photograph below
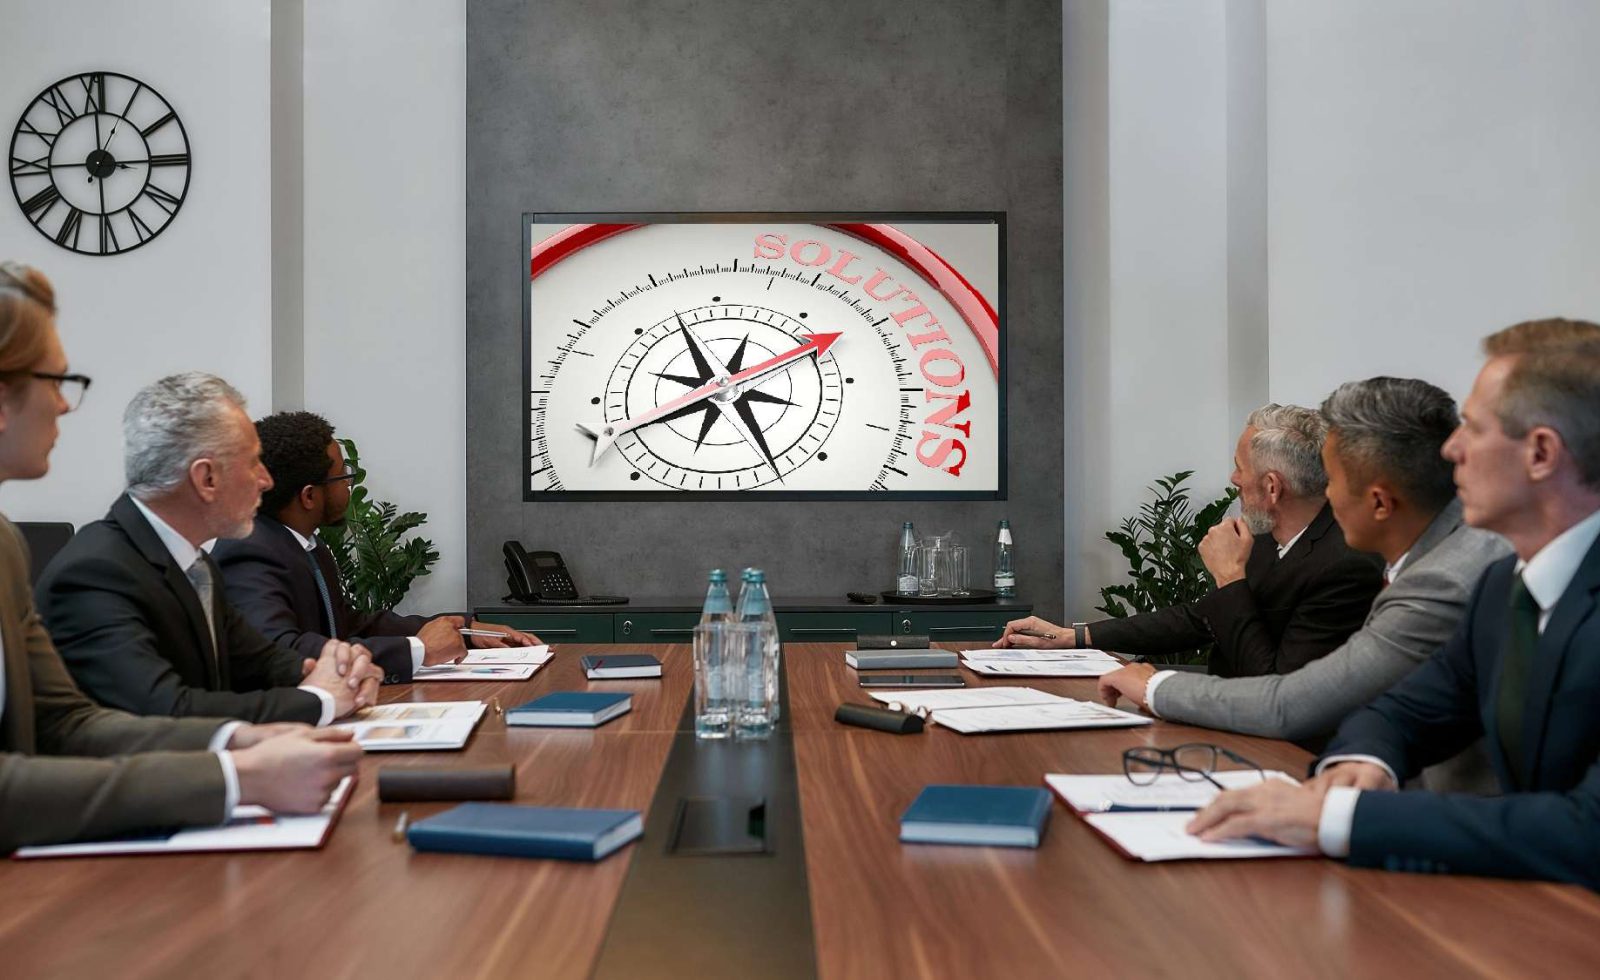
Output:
x=1080 y=635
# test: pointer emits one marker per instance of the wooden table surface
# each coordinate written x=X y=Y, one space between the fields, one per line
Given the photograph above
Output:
x=367 y=906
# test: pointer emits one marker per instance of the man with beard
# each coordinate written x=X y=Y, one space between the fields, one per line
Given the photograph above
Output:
x=135 y=606
x=1288 y=589
x=283 y=579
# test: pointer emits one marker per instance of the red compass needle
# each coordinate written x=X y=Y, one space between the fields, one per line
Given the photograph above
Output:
x=604 y=436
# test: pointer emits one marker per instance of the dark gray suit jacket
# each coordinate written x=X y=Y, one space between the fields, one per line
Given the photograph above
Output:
x=131 y=630
x=71 y=770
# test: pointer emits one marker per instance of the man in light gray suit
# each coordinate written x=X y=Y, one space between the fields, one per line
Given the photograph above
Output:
x=1393 y=494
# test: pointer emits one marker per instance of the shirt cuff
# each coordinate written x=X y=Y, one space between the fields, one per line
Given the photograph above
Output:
x=1330 y=760
x=1338 y=816
x=418 y=650
x=224 y=735
x=230 y=782
x=1150 y=690
x=328 y=707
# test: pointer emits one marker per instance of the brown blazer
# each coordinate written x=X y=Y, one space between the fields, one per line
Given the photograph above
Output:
x=66 y=772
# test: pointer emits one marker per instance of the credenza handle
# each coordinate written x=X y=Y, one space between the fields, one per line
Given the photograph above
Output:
x=549 y=632
x=829 y=629
x=672 y=631
x=960 y=629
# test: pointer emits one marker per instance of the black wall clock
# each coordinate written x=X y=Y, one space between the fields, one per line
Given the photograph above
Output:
x=100 y=163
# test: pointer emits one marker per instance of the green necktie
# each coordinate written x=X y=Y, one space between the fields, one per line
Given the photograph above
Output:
x=1514 y=672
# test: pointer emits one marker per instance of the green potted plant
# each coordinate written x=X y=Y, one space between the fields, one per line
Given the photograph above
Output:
x=1162 y=546
x=375 y=564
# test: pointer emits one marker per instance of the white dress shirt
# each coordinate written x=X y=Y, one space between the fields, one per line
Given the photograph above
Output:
x=1546 y=575
x=418 y=648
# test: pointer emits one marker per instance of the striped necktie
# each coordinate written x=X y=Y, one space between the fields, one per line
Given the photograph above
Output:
x=199 y=575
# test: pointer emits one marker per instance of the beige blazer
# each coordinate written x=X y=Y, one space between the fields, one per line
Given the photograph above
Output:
x=71 y=770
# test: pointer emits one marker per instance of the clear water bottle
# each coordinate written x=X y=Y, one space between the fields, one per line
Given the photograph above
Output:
x=1005 y=574
x=906 y=582
x=758 y=709
x=719 y=605
x=713 y=674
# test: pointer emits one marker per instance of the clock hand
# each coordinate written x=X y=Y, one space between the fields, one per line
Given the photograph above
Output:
x=604 y=436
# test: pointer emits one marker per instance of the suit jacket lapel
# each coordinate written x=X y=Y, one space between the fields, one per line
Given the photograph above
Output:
x=144 y=538
x=1575 y=605
x=19 y=683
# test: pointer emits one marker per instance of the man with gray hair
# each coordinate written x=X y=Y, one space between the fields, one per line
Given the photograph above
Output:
x=1288 y=588
x=1392 y=494
x=136 y=607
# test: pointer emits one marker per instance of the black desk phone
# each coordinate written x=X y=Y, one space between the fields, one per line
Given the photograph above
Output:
x=535 y=576
x=541 y=577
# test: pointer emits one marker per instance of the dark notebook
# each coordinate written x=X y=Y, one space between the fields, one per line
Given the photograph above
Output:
x=571 y=709
x=1010 y=816
x=616 y=666
x=527 y=831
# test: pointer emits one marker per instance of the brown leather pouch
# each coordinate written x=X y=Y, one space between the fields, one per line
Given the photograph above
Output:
x=410 y=784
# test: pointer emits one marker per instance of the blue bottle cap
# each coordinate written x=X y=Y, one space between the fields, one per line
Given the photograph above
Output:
x=757 y=575
x=718 y=575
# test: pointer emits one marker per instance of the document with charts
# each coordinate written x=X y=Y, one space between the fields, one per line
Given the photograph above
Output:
x=250 y=828
x=1043 y=668
x=475 y=672
x=972 y=711
x=1161 y=837
x=414 y=726
x=535 y=655
x=1020 y=655
x=1169 y=791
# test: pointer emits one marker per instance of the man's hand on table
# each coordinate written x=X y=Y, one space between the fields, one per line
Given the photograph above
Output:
x=1052 y=637
x=1131 y=682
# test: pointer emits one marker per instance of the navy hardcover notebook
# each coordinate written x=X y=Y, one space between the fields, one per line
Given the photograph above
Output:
x=1010 y=816
x=580 y=709
x=527 y=831
x=615 y=666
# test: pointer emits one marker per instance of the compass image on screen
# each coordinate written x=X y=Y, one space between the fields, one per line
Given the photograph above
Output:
x=717 y=358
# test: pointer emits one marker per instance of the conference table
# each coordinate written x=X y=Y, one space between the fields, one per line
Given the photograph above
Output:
x=855 y=902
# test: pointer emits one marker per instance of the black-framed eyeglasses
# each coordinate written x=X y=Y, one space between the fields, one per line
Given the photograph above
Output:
x=350 y=473
x=71 y=386
x=1193 y=761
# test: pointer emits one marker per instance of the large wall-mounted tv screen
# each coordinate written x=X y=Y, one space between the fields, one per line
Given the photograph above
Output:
x=764 y=356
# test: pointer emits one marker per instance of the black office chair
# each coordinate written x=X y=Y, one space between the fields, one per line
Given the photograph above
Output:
x=44 y=538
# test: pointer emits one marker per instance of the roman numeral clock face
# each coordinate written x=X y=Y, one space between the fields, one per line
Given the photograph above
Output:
x=777 y=358
x=99 y=163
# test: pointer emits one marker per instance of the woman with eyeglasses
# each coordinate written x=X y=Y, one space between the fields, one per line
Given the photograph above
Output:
x=69 y=769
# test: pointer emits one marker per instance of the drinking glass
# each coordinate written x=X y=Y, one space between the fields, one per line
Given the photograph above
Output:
x=958 y=570
x=753 y=663
x=928 y=570
x=713 y=702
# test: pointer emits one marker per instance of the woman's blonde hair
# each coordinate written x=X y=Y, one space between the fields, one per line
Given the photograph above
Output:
x=27 y=310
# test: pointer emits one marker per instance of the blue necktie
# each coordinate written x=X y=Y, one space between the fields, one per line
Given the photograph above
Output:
x=1516 y=667
x=322 y=589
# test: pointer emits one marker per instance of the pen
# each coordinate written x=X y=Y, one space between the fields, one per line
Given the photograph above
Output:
x=401 y=825
x=1036 y=634
x=471 y=632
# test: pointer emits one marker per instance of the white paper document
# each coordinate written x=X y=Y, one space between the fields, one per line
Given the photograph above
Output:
x=414 y=726
x=508 y=655
x=1161 y=837
x=250 y=828
x=1029 y=656
x=1009 y=709
x=475 y=672
x=1043 y=668
x=1099 y=794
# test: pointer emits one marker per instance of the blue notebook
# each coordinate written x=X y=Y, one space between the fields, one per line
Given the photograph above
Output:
x=1009 y=816
x=527 y=831
x=615 y=666
x=571 y=709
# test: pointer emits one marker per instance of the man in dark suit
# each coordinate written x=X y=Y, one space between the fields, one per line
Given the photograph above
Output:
x=1522 y=671
x=284 y=580
x=1288 y=589
x=133 y=603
